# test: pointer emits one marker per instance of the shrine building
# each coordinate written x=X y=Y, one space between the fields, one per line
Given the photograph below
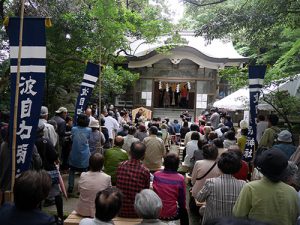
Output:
x=186 y=77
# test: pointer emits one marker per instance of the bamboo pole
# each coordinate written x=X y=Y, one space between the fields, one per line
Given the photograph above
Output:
x=14 y=137
x=99 y=113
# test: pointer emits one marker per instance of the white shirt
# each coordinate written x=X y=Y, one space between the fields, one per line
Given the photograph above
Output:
x=94 y=221
x=111 y=124
x=260 y=129
x=191 y=147
x=91 y=119
x=219 y=132
x=88 y=185
x=49 y=132
x=214 y=119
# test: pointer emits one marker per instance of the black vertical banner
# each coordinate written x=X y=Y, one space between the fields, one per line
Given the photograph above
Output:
x=88 y=83
x=256 y=79
x=31 y=87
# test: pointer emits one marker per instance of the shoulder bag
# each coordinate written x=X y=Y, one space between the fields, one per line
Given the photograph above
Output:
x=210 y=169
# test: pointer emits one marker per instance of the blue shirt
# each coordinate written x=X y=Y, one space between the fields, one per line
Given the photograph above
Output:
x=177 y=128
x=10 y=215
x=287 y=148
x=80 y=153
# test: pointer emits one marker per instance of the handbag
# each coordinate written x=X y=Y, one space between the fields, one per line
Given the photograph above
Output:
x=192 y=204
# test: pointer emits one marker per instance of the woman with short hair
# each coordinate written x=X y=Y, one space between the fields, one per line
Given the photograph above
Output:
x=170 y=187
x=148 y=206
x=205 y=168
x=220 y=193
x=90 y=183
x=30 y=189
x=97 y=138
x=229 y=139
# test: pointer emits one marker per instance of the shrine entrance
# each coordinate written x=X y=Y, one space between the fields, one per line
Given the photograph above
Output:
x=174 y=94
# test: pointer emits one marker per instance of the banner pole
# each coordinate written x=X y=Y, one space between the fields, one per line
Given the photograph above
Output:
x=99 y=117
x=14 y=137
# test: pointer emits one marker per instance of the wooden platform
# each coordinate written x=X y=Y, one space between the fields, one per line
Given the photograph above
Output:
x=74 y=219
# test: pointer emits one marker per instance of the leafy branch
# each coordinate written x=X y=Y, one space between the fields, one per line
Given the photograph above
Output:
x=204 y=4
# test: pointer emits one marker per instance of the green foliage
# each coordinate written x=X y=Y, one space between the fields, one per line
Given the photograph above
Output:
x=96 y=31
x=116 y=81
x=283 y=101
x=4 y=85
x=257 y=20
x=289 y=62
x=237 y=77
x=266 y=31
x=287 y=106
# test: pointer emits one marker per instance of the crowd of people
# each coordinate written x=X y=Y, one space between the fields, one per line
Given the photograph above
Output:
x=132 y=168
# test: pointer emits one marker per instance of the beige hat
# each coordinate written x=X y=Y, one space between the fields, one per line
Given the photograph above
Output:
x=94 y=124
x=61 y=109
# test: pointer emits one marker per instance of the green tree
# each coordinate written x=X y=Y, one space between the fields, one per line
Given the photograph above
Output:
x=266 y=31
x=99 y=31
x=285 y=105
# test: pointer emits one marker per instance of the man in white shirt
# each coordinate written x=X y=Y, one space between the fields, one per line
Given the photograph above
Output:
x=111 y=124
x=88 y=112
x=262 y=125
x=49 y=131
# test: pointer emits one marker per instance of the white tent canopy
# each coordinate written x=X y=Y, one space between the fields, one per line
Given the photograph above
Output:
x=239 y=100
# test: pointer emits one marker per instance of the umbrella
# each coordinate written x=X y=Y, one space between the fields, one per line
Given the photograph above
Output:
x=62 y=184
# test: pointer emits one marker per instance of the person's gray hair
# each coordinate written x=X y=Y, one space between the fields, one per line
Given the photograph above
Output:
x=147 y=204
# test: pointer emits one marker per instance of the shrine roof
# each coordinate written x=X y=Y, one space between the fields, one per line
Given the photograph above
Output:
x=216 y=49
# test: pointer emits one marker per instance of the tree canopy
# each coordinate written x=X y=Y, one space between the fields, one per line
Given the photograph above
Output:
x=99 y=31
x=267 y=31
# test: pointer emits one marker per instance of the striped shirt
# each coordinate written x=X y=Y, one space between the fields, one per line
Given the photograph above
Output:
x=220 y=194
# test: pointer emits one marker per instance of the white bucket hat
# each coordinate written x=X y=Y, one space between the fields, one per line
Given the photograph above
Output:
x=285 y=136
x=94 y=124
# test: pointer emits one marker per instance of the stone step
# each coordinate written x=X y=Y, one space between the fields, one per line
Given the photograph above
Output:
x=170 y=113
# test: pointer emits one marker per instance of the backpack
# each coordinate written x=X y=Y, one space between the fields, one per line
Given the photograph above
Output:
x=276 y=132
